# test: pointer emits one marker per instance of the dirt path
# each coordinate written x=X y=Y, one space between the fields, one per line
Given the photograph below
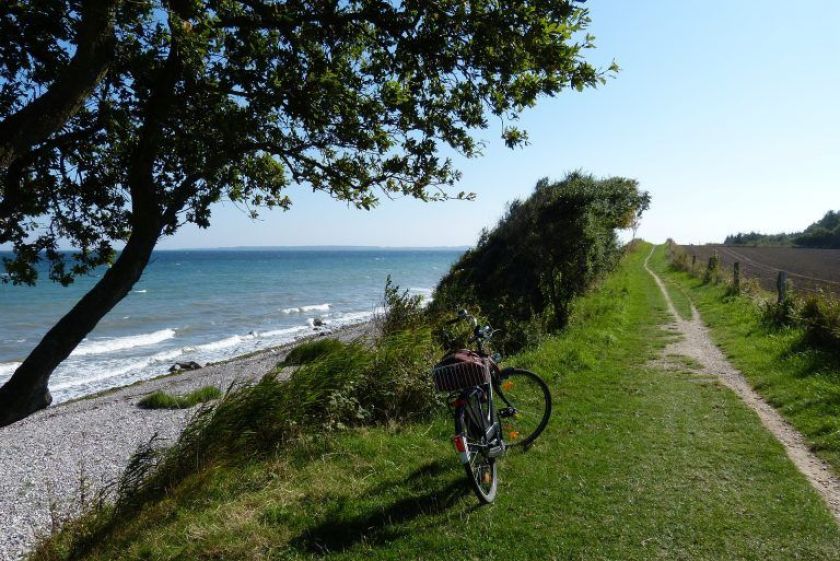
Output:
x=696 y=344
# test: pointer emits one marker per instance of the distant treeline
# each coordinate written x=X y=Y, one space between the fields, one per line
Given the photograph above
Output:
x=824 y=233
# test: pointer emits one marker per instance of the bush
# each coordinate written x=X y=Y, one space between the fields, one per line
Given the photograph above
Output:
x=780 y=314
x=402 y=311
x=820 y=315
x=524 y=273
x=679 y=258
x=163 y=400
x=310 y=351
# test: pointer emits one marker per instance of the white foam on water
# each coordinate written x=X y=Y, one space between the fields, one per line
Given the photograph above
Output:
x=305 y=309
x=422 y=291
x=288 y=332
x=7 y=369
x=105 y=372
x=225 y=343
x=109 y=371
x=102 y=346
x=350 y=318
x=425 y=295
x=144 y=291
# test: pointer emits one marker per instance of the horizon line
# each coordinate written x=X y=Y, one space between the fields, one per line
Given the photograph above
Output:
x=296 y=247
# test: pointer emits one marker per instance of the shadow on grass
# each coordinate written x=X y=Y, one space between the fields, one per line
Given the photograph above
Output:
x=812 y=360
x=431 y=492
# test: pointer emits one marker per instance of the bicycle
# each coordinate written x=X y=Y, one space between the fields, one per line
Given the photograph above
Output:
x=490 y=404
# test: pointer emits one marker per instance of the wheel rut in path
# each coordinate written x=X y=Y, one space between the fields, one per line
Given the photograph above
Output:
x=697 y=344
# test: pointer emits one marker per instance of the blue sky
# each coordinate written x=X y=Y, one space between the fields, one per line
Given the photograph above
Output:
x=727 y=112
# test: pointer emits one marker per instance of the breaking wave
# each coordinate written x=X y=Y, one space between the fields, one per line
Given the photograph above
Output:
x=102 y=346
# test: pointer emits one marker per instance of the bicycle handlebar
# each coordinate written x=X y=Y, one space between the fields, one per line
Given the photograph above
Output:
x=480 y=333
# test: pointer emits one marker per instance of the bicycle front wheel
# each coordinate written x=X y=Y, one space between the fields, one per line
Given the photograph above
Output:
x=524 y=406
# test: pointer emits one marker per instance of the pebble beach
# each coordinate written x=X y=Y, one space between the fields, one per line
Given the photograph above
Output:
x=58 y=458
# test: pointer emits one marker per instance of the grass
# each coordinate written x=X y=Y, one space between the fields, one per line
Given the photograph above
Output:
x=163 y=400
x=637 y=464
x=679 y=298
x=801 y=381
x=309 y=351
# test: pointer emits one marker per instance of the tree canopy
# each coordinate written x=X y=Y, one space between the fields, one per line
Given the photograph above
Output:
x=165 y=108
x=121 y=120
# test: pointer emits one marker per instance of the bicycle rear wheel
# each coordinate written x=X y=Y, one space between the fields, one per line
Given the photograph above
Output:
x=481 y=469
x=524 y=406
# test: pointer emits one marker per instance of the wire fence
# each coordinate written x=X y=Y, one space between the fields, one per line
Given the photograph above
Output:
x=807 y=270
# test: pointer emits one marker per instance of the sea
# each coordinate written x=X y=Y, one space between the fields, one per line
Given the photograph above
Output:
x=208 y=306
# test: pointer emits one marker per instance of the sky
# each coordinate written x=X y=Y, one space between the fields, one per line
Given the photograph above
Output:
x=726 y=112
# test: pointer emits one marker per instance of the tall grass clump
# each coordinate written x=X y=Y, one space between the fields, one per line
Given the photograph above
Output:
x=310 y=351
x=163 y=400
x=525 y=272
x=820 y=315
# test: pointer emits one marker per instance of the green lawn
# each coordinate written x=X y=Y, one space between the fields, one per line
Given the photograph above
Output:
x=637 y=463
x=803 y=383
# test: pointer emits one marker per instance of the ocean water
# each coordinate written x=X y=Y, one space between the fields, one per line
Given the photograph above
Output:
x=209 y=305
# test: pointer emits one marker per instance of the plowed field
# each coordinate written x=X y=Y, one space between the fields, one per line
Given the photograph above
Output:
x=809 y=270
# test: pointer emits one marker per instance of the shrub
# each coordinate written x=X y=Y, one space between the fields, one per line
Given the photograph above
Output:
x=780 y=314
x=820 y=315
x=310 y=351
x=524 y=273
x=679 y=258
x=402 y=310
x=163 y=400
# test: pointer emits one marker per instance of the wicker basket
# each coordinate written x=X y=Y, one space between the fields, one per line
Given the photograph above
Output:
x=460 y=375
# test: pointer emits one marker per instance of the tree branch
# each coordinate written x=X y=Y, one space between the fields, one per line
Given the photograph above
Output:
x=44 y=116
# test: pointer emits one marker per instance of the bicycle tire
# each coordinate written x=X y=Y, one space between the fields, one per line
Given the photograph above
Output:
x=481 y=469
x=528 y=395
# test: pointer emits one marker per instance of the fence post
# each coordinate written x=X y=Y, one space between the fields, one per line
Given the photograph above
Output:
x=693 y=261
x=736 y=276
x=781 y=285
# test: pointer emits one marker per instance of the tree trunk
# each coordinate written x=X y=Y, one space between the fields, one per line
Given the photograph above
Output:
x=26 y=391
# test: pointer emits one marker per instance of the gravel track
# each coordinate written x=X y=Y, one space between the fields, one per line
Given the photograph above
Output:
x=696 y=343
x=54 y=460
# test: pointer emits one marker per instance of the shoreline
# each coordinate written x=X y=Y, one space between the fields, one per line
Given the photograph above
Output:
x=343 y=333
x=78 y=447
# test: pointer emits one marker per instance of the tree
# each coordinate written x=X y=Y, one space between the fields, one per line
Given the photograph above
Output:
x=121 y=121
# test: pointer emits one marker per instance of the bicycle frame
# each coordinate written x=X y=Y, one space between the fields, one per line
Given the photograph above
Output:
x=481 y=419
